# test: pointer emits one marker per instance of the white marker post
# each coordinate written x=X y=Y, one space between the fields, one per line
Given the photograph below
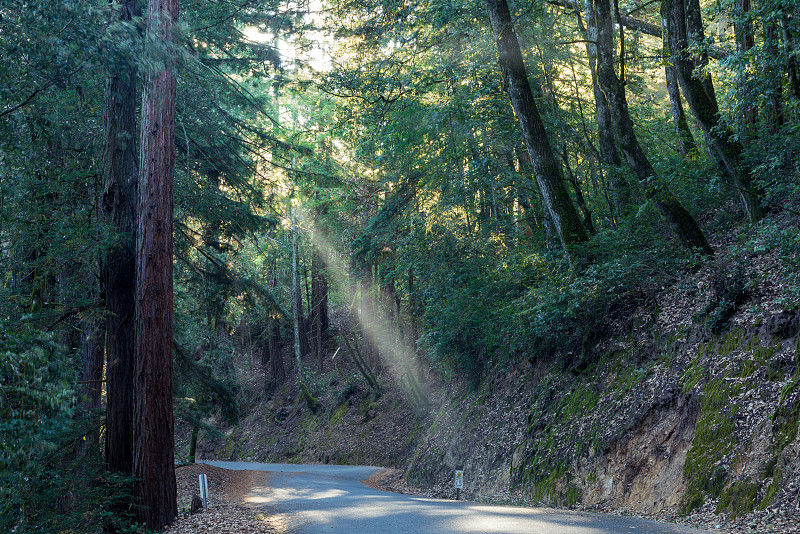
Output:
x=459 y=482
x=204 y=490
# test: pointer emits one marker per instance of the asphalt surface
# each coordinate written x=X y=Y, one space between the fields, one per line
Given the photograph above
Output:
x=332 y=499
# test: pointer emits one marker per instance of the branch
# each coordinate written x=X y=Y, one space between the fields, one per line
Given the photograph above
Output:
x=75 y=311
x=37 y=91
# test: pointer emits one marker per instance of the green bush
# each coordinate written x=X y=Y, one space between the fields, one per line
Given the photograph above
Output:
x=52 y=476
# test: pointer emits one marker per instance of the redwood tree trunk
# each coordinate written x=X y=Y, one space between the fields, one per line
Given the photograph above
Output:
x=120 y=190
x=277 y=371
x=545 y=166
x=154 y=458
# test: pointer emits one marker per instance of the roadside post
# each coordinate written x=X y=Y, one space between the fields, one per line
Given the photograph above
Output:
x=204 y=490
x=459 y=482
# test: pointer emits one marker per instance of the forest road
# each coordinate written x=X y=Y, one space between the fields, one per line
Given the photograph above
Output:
x=329 y=499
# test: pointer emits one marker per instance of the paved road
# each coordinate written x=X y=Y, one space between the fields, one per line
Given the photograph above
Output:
x=332 y=500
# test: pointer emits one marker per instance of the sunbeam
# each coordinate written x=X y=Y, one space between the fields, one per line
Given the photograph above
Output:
x=394 y=352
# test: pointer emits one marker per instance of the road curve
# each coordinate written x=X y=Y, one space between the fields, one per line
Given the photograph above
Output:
x=331 y=499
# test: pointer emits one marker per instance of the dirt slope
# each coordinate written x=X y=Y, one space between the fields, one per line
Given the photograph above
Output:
x=687 y=408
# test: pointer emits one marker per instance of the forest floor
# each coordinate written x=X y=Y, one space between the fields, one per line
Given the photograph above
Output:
x=227 y=511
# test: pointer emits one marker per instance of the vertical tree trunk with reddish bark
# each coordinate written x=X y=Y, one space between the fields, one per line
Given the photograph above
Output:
x=154 y=458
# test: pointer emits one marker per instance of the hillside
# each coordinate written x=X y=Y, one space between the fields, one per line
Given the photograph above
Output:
x=674 y=410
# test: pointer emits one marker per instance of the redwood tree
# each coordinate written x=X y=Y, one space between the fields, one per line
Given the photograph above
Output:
x=154 y=463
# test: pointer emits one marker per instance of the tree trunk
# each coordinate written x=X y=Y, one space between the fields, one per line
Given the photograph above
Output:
x=609 y=155
x=790 y=49
x=277 y=369
x=545 y=166
x=90 y=380
x=367 y=322
x=193 y=441
x=319 y=304
x=743 y=28
x=91 y=372
x=120 y=191
x=154 y=458
x=680 y=220
x=774 y=104
x=703 y=103
x=297 y=305
x=686 y=143
x=576 y=187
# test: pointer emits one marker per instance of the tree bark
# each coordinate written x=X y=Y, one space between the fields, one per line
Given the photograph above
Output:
x=556 y=199
x=774 y=105
x=702 y=101
x=319 y=304
x=609 y=155
x=743 y=29
x=790 y=49
x=678 y=218
x=686 y=143
x=120 y=191
x=297 y=305
x=277 y=370
x=154 y=458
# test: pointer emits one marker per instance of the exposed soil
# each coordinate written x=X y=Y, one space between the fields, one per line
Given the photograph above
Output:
x=674 y=382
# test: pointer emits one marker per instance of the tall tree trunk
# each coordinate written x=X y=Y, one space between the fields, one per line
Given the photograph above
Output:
x=90 y=379
x=680 y=220
x=774 y=104
x=703 y=103
x=743 y=28
x=297 y=305
x=686 y=143
x=609 y=155
x=277 y=370
x=91 y=372
x=276 y=375
x=297 y=321
x=790 y=48
x=367 y=320
x=154 y=458
x=319 y=304
x=545 y=166
x=120 y=192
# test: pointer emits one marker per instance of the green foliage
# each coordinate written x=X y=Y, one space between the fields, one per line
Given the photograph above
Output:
x=36 y=403
x=52 y=476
